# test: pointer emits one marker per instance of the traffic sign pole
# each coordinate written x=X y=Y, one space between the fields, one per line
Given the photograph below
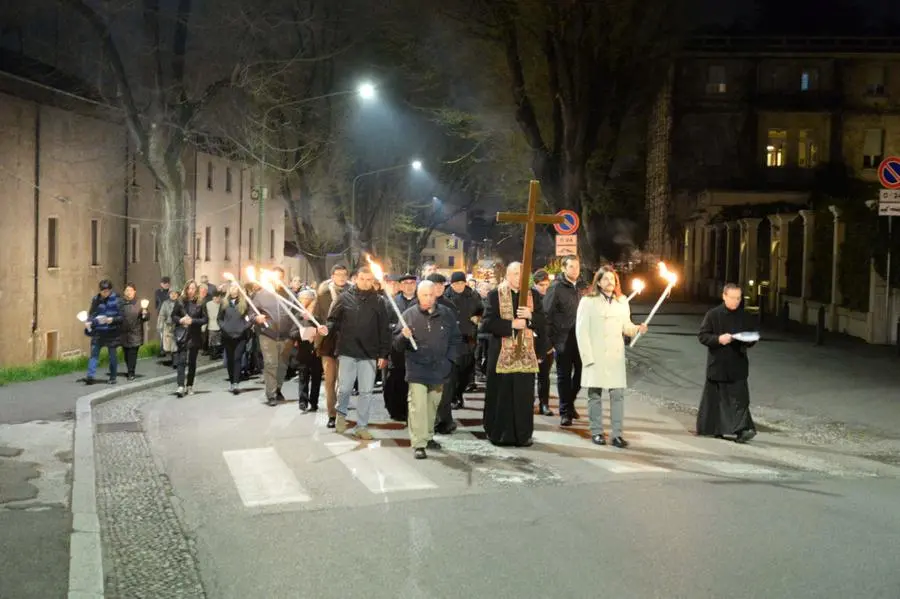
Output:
x=888 y=203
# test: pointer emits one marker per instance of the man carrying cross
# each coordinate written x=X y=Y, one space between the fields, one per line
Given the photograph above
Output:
x=515 y=320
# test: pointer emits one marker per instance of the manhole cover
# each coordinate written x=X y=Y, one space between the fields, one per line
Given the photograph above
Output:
x=120 y=427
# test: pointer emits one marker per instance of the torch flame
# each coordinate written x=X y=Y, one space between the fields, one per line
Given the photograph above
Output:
x=637 y=285
x=376 y=268
x=251 y=274
x=228 y=276
x=668 y=275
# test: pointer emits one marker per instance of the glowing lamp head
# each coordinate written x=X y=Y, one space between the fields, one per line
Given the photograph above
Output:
x=366 y=91
x=82 y=316
x=417 y=165
x=145 y=304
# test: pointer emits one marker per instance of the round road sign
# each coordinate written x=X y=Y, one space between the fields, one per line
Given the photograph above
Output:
x=570 y=225
x=889 y=172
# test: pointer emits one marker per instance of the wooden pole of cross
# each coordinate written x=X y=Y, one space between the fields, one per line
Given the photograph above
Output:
x=530 y=219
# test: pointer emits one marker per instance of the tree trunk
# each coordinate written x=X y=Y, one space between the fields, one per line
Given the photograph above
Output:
x=173 y=235
x=299 y=226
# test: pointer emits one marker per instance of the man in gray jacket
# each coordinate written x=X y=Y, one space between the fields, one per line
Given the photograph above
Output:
x=274 y=339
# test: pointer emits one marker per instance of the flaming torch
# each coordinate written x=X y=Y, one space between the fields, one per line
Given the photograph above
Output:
x=271 y=278
x=379 y=274
x=230 y=277
x=82 y=316
x=266 y=284
x=672 y=278
x=637 y=286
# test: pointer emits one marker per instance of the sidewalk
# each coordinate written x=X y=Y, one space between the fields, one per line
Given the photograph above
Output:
x=36 y=455
x=846 y=385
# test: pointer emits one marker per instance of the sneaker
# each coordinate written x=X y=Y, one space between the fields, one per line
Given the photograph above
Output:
x=363 y=434
x=340 y=424
x=179 y=392
x=331 y=422
x=303 y=405
x=111 y=382
x=190 y=390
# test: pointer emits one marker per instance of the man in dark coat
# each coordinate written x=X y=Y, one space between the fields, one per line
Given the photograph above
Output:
x=560 y=308
x=725 y=405
x=103 y=326
x=438 y=346
x=469 y=309
x=396 y=389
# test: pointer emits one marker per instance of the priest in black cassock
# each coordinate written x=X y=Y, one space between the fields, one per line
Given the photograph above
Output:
x=509 y=397
x=725 y=405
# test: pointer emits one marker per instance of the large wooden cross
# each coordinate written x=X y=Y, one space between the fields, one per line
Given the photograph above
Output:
x=530 y=219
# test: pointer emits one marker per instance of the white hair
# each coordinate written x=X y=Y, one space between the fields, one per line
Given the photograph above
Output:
x=425 y=285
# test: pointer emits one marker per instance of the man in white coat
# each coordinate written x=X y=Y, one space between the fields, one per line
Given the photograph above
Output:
x=602 y=320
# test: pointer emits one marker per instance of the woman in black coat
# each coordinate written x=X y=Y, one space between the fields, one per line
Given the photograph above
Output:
x=134 y=315
x=236 y=331
x=189 y=317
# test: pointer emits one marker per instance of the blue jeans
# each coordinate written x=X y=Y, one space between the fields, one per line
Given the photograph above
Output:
x=96 y=346
x=352 y=370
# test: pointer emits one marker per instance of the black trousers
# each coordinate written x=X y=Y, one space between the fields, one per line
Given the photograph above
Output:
x=186 y=358
x=568 y=379
x=309 y=377
x=131 y=357
x=543 y=380
x=234 y=357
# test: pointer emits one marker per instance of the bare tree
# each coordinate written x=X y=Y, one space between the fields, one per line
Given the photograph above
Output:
x=167 y=68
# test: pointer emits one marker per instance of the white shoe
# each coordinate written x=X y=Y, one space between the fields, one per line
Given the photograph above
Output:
x=180 y=392
x=190 y=390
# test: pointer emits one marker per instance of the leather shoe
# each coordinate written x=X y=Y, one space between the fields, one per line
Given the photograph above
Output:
x=420 y=453
x=432 y=444
x=598 y=440
x=620 y=443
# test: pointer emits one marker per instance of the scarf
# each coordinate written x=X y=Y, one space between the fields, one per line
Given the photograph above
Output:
x=516 y=352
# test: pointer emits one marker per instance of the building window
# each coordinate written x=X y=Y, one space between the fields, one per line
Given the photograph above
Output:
x=95 y=242
x=807 y=150
x=873 y=148
x=156 y=248
x=209 y=175
x=775 y=148
x=228 y=180
x=197 y=248
x=251 y=246
x=451 y=261
x=53 y=242
x=134 y=236
x=52 y=341
x=227 y=244
x=431 y=242
x=452 y=243
x=875 y=76
x=272 y=244
x=715 y=80
x=809 y=80
x=207 y=250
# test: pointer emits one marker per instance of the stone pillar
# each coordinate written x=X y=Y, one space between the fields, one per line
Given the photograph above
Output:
x=731 y=227
x=809 y=222
x=779 y=224
x=749 y=250
x=698 y=237
x=837 y=239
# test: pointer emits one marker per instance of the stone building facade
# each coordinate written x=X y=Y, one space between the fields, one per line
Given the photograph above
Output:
x=752 y=122
x=77 y=208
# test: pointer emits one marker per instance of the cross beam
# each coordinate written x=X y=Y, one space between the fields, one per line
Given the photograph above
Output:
x=529 y=219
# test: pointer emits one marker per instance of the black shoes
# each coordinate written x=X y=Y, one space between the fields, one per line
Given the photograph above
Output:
x=598 y=440
x=303 y=405
x=745 y=435
x=545 y=410
x=433 y=445
x=331 y=422
x=620 y=443
x=420 y=453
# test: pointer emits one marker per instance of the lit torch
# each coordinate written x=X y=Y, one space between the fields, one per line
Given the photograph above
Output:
x=266 y=284
x=269 y=276
x=672 y=278
x=637 y=286
x=230 y=277
x=379 y=274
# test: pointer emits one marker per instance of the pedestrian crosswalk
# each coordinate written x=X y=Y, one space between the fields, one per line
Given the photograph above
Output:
x=319 y=468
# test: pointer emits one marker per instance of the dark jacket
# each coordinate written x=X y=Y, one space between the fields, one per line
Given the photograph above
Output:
x=159 y=297
x=133 y=319
x=277 y=316
x=190 y=337
x=106 y=334
x=726 y=363
x=498 y=327
x=560 y=308
x=233 y=322
x=324 y=300
x=361 y=325
x=468 y=304
x=438 y=341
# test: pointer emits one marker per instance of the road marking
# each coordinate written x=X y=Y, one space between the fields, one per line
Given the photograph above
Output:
x=565 y=440
x=262 y=477
x=654 y=441
x=736 y=469
x=378 y=468
x=619 y=467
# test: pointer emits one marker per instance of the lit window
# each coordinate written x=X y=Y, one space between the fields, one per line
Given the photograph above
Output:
x=807 y=150
x=715 y=80
x=873 y=148
x=809 y=80
x=875 y=81
x=775 y=148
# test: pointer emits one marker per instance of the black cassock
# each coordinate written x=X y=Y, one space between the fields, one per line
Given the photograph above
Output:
x=396 y=388
x=725 y=405
x=509 y=398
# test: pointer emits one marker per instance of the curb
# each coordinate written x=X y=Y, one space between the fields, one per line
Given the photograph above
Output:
x=86 y=577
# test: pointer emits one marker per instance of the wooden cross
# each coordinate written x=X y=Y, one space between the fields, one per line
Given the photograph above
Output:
x=530 y=218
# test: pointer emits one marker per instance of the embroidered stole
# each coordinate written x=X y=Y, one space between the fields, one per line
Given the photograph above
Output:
x=515 y=358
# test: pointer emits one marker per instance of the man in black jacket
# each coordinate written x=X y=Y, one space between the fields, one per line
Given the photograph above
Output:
x=438 y=343
x=560 y=309
x=396 y=389
x=469 y=309
x=363 y=340
x=444 y=423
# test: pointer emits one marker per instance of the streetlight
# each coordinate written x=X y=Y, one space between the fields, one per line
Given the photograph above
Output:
x=366 y=90
x=416 y=165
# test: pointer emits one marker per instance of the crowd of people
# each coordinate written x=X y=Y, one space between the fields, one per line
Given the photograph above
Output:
x=426 y=340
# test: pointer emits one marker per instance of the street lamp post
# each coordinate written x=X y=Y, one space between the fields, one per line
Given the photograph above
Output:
x=364 y=90
x=416 y=165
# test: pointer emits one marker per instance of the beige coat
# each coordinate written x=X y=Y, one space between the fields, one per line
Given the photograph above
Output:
x=599 y=327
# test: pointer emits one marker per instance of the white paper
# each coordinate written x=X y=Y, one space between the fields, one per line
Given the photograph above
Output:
x=747 y=336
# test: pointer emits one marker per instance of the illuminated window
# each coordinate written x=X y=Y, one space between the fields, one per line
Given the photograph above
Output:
x=775 y=148
x=715 y=80
x=807 y=150
x=809 y=80
x=873 y=148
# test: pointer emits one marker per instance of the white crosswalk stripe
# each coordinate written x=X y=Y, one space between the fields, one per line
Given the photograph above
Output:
x=262 y=478
x=622 y=467
x=736 y=468
x=379 y=468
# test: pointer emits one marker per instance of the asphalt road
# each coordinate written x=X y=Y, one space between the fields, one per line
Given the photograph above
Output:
x=219 y=496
